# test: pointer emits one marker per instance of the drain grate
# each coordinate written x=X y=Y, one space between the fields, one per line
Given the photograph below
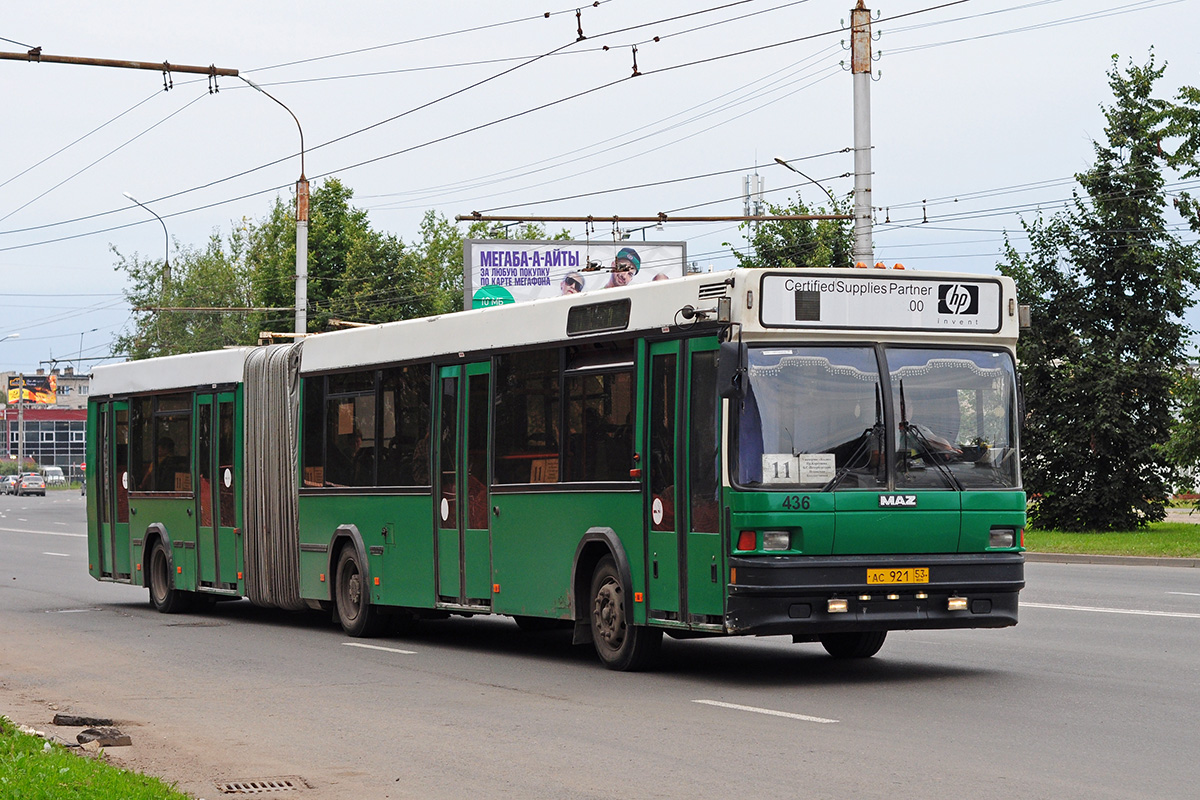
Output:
x=263 y=785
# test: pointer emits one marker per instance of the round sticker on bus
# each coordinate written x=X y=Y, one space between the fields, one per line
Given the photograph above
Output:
x=656 y=511
x=228 y=478
x=125 y=481
x=445 y=509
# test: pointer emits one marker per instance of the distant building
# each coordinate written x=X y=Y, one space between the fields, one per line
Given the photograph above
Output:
x=55 y=433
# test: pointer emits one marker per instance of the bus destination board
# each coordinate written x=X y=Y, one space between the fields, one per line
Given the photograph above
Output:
x=883 y=302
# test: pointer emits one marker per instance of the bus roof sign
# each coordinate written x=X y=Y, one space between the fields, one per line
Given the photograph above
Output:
x=881 y=302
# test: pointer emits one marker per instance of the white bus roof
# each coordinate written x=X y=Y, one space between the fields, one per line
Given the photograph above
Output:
x=657 y=306
x=215 y=367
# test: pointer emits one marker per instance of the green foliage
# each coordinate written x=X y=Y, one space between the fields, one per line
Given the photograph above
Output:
x=1108 y=281
x=799 y=243
x=215 y=277
x=32 y=771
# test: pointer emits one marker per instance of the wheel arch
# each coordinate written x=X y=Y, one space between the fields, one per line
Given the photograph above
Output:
x=347 y=536
x=157 y=532
x=594 y=545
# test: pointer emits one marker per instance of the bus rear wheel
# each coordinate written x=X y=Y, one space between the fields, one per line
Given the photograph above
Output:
x=861 y=644
x=355 y=612
x=165 y=598
x=621 y=646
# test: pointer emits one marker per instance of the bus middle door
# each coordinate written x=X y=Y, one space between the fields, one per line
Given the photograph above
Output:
x=464 y=547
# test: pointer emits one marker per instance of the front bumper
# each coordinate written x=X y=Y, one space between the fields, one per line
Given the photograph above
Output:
x=790 y=594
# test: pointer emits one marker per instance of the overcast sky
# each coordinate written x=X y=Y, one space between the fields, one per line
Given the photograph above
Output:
x=982 y=109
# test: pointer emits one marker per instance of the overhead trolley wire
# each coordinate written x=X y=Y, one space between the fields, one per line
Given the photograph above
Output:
x=444 y=138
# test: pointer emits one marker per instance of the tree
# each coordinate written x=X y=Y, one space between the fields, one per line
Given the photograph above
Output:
x=799 y=243
x=215 y=277
x=1108 y=281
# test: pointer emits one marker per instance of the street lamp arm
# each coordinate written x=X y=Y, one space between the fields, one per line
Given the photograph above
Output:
x=254 y=85
x=781 y=162
x=166 y=235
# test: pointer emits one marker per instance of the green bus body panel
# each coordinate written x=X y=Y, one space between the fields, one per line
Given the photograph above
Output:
x=662 y=592
x=405 y=569
x=534 y=538
x=448 y=562
x=853 y=523
x=172 y=514
x=706 y=574
x=477 y=576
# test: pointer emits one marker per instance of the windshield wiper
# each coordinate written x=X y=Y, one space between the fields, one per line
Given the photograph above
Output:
x=873 y=433
x=907 y=427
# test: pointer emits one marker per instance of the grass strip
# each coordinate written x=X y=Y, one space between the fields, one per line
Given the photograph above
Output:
x=31 y=771
x=1156 y=540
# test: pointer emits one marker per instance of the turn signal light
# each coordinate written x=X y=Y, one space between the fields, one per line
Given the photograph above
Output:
x=747 y=540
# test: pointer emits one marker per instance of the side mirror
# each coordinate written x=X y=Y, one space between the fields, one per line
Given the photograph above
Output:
x=731 y=370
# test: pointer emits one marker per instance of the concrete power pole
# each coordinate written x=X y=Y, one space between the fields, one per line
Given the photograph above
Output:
x=860 y=68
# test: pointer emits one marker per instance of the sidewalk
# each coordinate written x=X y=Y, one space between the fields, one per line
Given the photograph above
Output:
x=1124 y=561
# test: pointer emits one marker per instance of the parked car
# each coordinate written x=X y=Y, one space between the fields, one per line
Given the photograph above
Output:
x=8 y=484
x=31 y=484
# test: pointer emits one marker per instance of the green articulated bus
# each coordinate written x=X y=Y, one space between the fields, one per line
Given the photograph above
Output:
x=826 y=454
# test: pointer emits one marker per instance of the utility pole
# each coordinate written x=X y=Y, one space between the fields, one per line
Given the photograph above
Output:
x=860 y=68
x=20 y=423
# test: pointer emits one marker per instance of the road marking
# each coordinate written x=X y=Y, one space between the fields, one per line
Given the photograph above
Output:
x=44 y=533
x=377 y=647
x=1186 y=594
x=767 y=711
x=64 y=555
x=70 y=610
x=1135 y=611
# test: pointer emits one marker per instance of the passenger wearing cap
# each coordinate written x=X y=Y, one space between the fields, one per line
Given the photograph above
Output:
x=624 y=267
x=572 y=283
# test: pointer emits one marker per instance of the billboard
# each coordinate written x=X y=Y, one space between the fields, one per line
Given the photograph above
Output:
x=38 y=389
x=500 y=271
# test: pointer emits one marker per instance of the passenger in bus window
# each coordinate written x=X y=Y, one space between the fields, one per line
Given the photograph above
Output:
x=160 y=466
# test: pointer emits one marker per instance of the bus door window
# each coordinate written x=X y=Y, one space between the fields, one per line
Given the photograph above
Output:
x=225 y=470
x=448 y=453
x=702 y=443
x=204 y=446
x=477 y=427
x=662 y=441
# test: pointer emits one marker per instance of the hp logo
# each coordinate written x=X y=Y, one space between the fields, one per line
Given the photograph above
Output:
x=958 y=298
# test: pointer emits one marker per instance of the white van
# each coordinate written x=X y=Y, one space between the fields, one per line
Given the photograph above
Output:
x=54 y=476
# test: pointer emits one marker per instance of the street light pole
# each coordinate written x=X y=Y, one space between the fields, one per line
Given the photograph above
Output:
x=166 y=275
x=301 y=224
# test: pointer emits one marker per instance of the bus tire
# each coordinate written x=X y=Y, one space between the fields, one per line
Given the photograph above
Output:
x=620 y=646
x=860 y=644
x=165 y=598
x=354 y=610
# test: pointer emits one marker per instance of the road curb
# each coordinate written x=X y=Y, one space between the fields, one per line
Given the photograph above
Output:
x=1124 y=561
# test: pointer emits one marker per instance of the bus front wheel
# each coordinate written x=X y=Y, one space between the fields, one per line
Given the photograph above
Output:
x=355 y=612
x=861 y=644
x=620 y=646
x=165 y=598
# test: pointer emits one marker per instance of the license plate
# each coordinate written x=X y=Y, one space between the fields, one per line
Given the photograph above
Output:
x=905 y=575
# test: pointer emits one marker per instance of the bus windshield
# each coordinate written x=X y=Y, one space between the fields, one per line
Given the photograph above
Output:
x=955 y=418
x=814 y=418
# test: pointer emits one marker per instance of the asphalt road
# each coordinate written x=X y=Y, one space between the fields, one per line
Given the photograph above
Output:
x=1094 y=695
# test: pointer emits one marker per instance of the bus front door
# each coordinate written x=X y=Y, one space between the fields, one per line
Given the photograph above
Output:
x=216 y=496
x=464 y=547
x=683 y=533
